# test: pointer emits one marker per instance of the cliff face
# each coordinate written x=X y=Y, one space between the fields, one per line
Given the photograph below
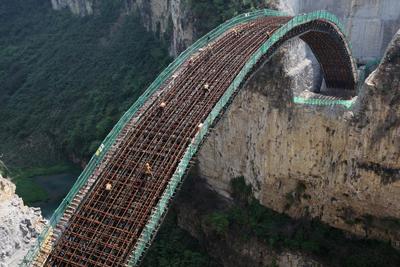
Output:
x=341 y=166
x=171 y=20
x=77 y=7
x=19 y=225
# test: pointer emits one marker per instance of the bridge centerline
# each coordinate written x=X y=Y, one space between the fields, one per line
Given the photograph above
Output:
x=198 y=105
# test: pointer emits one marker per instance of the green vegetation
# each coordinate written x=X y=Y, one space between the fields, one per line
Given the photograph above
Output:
x=250 y=219
x=65 y=80
x=31 y=192
x=174 y=247
x=219 y=222
x=296 y=195
x=241 y=191
x=388 y=224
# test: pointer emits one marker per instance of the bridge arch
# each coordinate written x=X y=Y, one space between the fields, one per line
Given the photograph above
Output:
x=320 y=30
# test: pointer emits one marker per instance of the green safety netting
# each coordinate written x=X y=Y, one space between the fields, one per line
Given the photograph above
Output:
x=160 y=209
x=324 y=102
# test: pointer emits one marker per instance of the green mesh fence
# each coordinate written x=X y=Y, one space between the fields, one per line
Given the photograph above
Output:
x=323 y=102
x=160 y=209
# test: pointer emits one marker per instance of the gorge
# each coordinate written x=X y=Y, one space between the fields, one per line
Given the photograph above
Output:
x=329 y=164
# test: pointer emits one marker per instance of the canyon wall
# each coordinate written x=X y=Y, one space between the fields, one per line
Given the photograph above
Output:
x=171 y=20
x=77 y=7
x=341 y=166
x=19 y=225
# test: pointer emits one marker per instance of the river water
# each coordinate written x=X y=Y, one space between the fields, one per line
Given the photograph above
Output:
x=57 y=187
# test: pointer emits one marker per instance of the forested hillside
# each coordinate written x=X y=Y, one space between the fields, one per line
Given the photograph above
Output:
x=65 y=80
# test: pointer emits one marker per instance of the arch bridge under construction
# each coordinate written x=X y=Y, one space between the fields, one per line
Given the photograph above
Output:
x=112 y=213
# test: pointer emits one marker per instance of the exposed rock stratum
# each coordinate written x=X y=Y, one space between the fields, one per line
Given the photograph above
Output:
x=19 y=225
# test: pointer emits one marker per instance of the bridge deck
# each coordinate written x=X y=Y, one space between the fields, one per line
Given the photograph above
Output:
x=108 y=223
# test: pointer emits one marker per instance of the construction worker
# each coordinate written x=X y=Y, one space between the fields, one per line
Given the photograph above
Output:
x=206 y=87
x=210 y=50
x=162 y=106
x=108 y=186
x=235 y=32
x=147 y=169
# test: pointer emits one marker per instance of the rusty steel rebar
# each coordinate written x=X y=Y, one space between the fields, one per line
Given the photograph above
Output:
x=104 y=228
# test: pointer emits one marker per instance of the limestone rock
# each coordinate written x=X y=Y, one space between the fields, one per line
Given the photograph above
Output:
x=19 y=225
x=170 y=18
x=77 y=7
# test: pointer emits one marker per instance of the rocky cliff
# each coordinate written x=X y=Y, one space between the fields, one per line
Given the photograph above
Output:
x=171 y=20
x=341 y=166
x=77 y=7
x=19 y=225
